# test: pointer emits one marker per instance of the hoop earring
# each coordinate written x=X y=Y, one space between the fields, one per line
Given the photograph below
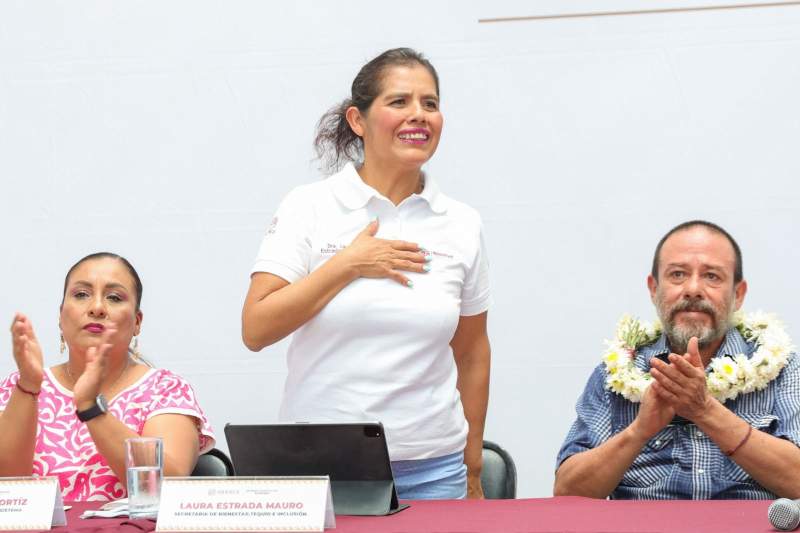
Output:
x=63 y=345
x=135 y=350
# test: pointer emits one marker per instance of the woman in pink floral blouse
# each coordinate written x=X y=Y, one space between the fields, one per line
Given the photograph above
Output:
x=72 y=419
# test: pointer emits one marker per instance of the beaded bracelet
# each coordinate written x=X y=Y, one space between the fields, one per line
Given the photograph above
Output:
x=733 y=451
x=23 y=389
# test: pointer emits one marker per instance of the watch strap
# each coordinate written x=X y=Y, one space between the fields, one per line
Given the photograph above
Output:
x=94 y=411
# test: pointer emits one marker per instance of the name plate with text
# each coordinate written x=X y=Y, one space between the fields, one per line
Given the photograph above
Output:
x=30 y=503
x=245 y=504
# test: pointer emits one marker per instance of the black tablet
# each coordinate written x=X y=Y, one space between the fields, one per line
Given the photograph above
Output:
x=354 y=455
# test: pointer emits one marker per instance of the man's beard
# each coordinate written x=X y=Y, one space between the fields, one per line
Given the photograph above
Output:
x=679 y=335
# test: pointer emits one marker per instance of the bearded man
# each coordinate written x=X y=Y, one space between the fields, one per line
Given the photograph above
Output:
x=680 y=441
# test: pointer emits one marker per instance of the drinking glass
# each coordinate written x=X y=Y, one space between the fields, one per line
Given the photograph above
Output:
x=144 y=463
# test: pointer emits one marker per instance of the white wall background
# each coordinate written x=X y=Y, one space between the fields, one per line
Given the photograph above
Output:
x=169 y=131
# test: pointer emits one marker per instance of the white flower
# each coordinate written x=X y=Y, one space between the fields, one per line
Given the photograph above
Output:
x=655 y=329
x=717 y=384
x=728 y=376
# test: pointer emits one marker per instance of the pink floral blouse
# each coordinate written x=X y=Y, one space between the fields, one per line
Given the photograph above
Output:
x=64 y=447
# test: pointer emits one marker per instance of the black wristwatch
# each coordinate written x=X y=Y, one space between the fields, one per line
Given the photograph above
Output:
x=100 y=407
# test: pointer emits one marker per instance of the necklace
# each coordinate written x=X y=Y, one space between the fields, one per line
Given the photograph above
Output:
x=114 y=384
x=729 y=376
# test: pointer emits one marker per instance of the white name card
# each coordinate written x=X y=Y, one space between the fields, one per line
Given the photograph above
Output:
x=30 y=503
x=245 y=504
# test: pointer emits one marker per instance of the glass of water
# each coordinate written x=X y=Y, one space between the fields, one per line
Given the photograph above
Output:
x=144 y=464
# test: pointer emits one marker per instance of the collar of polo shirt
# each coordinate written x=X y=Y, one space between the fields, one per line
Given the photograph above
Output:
x=351 y=190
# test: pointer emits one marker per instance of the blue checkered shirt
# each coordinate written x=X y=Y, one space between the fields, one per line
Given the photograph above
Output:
x=680 y=462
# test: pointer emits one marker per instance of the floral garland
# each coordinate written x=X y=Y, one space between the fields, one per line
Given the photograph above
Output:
x=728 y=376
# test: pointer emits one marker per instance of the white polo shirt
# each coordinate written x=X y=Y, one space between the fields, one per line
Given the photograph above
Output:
x=379 y=350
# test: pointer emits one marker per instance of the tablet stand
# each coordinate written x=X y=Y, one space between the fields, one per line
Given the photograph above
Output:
x=365 y=498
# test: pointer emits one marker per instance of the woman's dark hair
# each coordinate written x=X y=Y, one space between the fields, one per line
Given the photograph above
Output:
x=109 y=255
x=336 y=142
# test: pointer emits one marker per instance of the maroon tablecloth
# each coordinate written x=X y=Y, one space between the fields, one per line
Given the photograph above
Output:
x=570 y=514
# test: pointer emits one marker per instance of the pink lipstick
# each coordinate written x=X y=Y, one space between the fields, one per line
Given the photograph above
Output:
x=94 y=327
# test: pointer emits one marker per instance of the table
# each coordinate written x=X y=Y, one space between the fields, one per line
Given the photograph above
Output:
x=566 y=513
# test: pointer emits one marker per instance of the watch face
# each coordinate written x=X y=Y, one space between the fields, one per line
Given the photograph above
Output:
x=100 y=407
x=102 y=403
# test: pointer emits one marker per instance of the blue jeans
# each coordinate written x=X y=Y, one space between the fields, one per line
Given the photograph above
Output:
x=438 y=478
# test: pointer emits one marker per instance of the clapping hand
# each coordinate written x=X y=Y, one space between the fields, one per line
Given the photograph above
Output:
x=372 y=257
x=682 y=383
x=87 y=385
x=654 y=413
x=27 y=353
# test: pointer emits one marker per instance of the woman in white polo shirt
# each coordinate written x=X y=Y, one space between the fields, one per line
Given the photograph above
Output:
x=383 y=280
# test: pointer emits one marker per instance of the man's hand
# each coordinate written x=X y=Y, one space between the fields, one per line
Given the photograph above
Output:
x=682 y=383
x=654 y=415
